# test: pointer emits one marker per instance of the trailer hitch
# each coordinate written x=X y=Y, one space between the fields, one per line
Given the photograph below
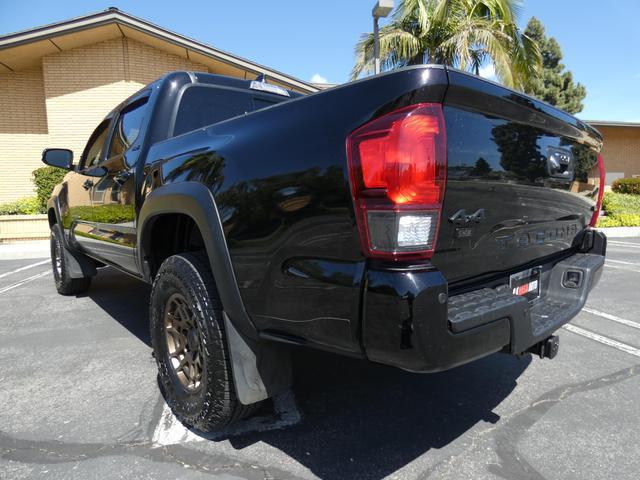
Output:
x=547 y=348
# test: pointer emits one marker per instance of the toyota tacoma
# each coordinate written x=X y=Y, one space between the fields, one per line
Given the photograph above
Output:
x=422 y=218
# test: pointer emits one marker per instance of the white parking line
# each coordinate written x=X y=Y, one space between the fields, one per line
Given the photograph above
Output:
x=613 y=318
x=624 y=267
x=623 y=244
x=24 y=268
x=170 y=431
x=22 y=282
x=623 y=262
x=623 y=347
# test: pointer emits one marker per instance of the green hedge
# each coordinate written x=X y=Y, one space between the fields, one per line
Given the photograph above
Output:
x=622 y=209
x=626 y=185
x=23 y=206
x=45 y=178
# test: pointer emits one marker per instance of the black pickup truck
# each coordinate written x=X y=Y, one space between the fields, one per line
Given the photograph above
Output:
x=422 y=218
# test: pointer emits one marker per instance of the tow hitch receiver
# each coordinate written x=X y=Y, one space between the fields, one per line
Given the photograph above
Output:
x=547 y=348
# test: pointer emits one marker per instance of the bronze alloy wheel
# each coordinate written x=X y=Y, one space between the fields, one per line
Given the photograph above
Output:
x=189 y=341
x=184 y=342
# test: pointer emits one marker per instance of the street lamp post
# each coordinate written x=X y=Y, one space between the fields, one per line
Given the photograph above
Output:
x=381 y=9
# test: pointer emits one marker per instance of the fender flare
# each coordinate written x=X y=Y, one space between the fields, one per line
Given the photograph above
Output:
x=53 y=204
x=195 y=200
x=260 y=369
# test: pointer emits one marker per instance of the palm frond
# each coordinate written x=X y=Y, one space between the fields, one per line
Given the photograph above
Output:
x=461 y=33
x=397 y=47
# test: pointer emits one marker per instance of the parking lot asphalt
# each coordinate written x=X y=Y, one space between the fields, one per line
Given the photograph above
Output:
x=80 y=400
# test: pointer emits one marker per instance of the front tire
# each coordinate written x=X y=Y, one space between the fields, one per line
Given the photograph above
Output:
x=64 y=283
x=189 y=342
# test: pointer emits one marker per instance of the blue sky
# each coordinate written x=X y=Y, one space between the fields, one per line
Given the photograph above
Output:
x=600 y=40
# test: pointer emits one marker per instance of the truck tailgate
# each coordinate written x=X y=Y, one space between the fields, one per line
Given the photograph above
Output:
x=522 y=180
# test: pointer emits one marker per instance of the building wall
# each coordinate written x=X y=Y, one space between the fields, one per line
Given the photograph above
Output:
x=23 y=131
x=621 y=151
x=82 y=85
x=60 y=103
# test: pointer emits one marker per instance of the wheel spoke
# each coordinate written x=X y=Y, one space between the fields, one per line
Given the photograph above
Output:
x=184 y=342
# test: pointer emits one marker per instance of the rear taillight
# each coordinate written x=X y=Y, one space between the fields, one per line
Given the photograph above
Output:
x=594 y=217
x=398 y=173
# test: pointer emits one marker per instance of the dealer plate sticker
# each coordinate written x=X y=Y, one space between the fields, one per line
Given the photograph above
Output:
x=526 y=283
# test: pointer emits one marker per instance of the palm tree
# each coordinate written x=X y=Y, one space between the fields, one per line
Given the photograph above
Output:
x=460 y=33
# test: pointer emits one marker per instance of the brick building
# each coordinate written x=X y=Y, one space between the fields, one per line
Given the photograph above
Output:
x=621 y=150
x=58 y=81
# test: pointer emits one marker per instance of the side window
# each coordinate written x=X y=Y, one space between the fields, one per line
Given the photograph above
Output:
x=93 y=150
x=128 y=127
x=201 y=106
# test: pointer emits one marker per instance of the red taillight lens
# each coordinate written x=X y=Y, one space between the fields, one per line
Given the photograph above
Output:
x=398 y=173
x=594 y=217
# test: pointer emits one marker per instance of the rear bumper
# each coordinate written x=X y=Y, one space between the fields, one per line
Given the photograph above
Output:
x=409 y=321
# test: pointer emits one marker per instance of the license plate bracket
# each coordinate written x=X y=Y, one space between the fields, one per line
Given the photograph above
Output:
x=526 y=283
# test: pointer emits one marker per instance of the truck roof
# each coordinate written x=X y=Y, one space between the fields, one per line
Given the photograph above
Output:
x=222 y=80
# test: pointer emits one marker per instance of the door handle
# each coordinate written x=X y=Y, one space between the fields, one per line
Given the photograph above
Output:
x=122 y=177
x=87 y=184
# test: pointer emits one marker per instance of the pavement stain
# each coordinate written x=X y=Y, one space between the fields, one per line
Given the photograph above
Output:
x=138 y=442
x=55 y=452
x=509 y=433
x=511 y=428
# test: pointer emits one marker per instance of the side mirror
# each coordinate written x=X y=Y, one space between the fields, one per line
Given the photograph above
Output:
x=58 y=157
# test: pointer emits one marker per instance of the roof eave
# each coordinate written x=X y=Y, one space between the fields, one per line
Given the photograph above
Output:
x=125 y=19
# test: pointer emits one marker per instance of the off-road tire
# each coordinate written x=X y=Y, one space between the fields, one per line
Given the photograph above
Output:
x=214 y=404
x=64 y=283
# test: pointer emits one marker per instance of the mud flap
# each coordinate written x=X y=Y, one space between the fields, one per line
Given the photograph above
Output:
x=260 y=369
x=78 y=265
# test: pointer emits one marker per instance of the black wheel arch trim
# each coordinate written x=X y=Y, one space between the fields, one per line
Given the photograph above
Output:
x=260 y=369
x=196 y=201
x=54 y=204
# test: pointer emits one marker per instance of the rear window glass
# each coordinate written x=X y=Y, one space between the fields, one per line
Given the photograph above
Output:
x=201 y=106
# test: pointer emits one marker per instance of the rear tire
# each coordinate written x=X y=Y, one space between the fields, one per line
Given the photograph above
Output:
x=64 y=283
x=189 y=341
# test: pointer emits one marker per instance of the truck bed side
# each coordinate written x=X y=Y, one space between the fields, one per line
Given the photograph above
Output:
x=280 y=181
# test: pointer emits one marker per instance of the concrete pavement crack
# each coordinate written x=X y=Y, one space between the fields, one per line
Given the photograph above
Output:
x=511 y=428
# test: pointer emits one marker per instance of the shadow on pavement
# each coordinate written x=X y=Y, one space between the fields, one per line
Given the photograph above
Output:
x=125 y=299
x=359 y=420
x=366 y=421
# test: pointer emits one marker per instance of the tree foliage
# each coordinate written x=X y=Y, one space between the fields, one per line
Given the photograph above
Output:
x=460 y=33
x=554 y=85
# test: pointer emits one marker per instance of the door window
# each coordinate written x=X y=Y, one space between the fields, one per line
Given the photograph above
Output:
x=128 y=128
x=93 y=151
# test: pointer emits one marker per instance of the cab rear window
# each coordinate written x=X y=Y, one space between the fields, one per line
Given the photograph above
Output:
x=203 y=105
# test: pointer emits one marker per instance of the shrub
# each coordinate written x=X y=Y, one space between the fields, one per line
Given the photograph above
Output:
x=45 y=178
x=622 y=220
x=23 y=206
x=627 y=185
x=615 y=203
x=622 y=209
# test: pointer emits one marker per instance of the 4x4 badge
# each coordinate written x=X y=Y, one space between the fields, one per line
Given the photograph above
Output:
x=462 y=218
